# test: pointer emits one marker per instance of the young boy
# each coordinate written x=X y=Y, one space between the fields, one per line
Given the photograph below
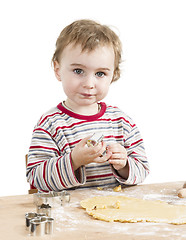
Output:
x=86 y=61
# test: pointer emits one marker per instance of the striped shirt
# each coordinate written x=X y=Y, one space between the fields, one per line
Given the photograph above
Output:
x=49 y=165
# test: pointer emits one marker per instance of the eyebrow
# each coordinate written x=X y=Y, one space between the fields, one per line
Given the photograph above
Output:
x=81 y=65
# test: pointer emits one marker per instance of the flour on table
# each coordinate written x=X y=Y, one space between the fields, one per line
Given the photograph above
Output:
x=73 y=217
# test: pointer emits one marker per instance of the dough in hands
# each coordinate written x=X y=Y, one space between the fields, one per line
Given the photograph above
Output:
x=125 y=209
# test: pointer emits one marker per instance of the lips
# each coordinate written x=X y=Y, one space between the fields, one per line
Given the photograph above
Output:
x=87 y=95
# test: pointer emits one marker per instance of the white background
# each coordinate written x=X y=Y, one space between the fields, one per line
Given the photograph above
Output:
x=151 y=89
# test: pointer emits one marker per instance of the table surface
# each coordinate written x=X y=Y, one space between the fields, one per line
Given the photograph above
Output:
x=72 y=222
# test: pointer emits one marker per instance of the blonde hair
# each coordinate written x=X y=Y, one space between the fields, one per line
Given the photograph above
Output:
x=89 y=34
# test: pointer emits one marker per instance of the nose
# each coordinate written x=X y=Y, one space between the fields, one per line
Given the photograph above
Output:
x=89 y=82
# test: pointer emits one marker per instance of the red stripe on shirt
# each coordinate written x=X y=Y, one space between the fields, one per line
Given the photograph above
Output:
x=34 y=163
x=140 y=140
x=70 y=144
x=58 y=172
x=56 y=113
x=43 y=130
x=100 y=176
x=112 y=136
x=72 y=168
x=32 y=176
x=134 y=180
x=44 y=176
x=42 y=147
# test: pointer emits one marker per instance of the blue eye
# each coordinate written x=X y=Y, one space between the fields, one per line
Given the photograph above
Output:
x=78 y=71
x=100 y=74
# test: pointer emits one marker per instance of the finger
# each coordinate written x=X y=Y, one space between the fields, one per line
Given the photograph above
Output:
x=103 y=158
x=118 y=163
x=116 y=147
x=100 y=160
x=118 y=156
x=97 y=151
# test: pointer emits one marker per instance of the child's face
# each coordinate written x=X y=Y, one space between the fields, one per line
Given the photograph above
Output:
x=85 y=76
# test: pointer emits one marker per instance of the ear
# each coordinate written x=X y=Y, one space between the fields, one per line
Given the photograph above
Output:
x=56 y=70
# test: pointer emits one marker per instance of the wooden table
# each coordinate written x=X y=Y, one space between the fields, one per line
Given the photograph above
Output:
x=72 y=222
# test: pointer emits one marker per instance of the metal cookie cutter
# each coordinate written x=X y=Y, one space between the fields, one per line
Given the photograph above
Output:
x=44 y=209
x=46 y=201
x=65 y=197
x=52 y=199
x=29 y=217
x=95 y=139
x=37 y=226
x=49 y=225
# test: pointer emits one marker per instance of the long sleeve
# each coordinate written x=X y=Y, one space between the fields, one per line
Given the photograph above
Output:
x=137 y=160
x=48 y=168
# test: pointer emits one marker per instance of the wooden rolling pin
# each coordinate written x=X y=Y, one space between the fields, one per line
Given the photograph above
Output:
x=182 y=192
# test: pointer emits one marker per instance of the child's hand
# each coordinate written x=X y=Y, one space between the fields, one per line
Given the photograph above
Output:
x=83 y=155
x=119 y=156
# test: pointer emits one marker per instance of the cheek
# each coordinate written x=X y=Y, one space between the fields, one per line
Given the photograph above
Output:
x=104 y=88
x=69 y=86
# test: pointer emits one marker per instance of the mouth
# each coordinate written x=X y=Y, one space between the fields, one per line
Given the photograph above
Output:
x=87 y=95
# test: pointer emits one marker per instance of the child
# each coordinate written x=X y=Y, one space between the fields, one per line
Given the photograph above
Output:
x=86 y=61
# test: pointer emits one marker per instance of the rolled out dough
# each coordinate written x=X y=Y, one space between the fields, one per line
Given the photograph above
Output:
x=125 y=209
